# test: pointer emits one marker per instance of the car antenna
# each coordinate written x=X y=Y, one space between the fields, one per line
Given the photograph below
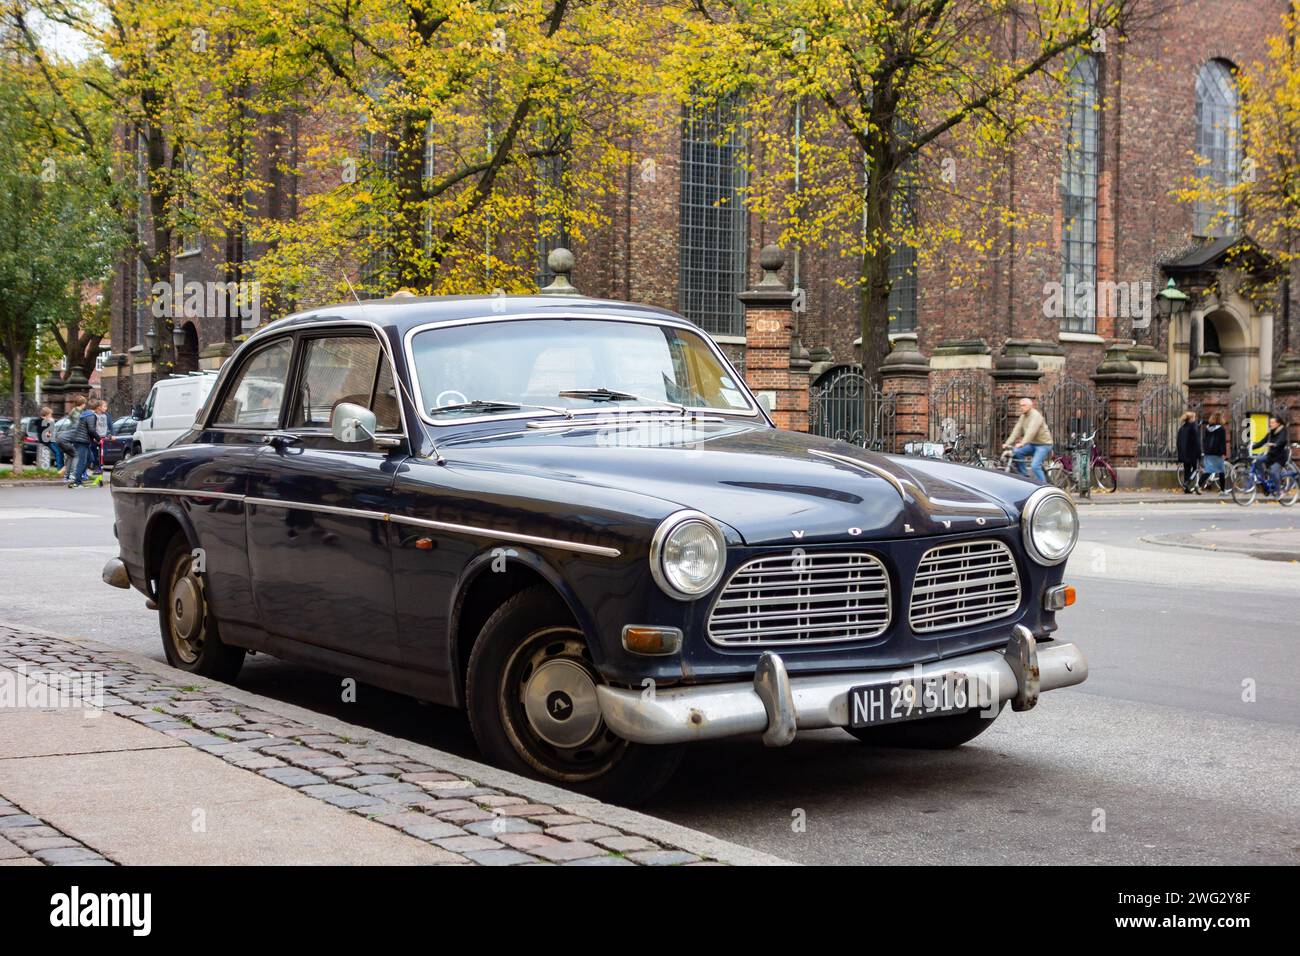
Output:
x=350 y=289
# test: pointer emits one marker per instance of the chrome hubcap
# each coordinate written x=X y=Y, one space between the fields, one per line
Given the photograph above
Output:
x=560 y=701
x=186 y=612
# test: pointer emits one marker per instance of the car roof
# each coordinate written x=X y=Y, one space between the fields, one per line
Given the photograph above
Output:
x=403 y=313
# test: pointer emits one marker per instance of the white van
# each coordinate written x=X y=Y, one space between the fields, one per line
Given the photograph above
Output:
x=170 y=410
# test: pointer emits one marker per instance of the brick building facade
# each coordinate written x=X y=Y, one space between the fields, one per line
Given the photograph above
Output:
x=1145 y=114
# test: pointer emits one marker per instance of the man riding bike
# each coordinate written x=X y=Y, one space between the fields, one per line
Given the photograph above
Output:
x=1278 y=452
x=1031 y=439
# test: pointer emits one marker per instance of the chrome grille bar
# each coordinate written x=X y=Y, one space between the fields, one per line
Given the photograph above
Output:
x=803 y=598
x=963 y=584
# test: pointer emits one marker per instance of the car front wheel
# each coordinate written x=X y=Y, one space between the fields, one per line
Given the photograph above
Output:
x=531 y=695
x=189 y=631
x=930 y=733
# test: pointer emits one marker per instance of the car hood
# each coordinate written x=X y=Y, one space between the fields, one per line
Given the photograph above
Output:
x=771 y=486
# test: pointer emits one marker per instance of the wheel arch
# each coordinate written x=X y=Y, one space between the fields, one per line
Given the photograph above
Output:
x=165 y=523
x=489 y=580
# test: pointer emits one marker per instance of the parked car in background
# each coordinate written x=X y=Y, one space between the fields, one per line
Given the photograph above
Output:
x=573 y=519
x=169 y=411
x=21 y=433
x=118 y=444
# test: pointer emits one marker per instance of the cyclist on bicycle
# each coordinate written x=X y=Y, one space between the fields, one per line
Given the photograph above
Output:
x=1278 y=453
x=1031 y=439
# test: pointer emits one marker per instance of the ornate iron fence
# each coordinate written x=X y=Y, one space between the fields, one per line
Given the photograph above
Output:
x=1158 y=419
x=1072 y=406
x=843 y=404
x=963 y=405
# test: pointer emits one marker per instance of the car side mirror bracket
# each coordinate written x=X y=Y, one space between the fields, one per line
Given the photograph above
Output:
x=355 y=425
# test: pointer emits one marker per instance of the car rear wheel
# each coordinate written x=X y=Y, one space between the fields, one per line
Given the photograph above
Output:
x=531 y=695
x=930 y=733
x=189 y=631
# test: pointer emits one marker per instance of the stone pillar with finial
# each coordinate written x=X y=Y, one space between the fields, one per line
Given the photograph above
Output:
x=1117 y=381
x=769 y=335
x=1286 y=392
x=560 y=262
x=905 y=375
x=1016 y=375
x=1209 y=387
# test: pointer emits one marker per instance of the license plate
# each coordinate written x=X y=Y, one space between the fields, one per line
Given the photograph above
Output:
x=913 y=698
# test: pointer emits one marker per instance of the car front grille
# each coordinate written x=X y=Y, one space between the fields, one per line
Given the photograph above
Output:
x=962 y=584
x=802 y=598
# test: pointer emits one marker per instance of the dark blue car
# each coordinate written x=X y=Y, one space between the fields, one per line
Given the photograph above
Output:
x=572 y=518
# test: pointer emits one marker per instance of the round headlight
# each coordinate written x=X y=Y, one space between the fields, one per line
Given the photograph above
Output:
x=687 y=555
x=1050 y=526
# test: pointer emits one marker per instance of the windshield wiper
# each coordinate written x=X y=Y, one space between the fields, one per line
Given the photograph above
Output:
x=603 y=394
x=492 y=405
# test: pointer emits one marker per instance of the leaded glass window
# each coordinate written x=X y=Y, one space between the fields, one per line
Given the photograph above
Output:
x=1079 y=197
x=1218 y=148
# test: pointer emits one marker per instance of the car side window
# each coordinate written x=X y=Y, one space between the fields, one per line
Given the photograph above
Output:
x=253 y=399
x=350 y=369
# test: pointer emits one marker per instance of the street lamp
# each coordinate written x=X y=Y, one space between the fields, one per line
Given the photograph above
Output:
x=178 y=335
x=1170 y=300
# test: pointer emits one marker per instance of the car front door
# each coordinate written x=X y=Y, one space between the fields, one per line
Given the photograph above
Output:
x=318 y=538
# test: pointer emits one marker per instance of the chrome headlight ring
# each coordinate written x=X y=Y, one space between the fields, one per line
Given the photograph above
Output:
x=1046 y=503
x=663 y=575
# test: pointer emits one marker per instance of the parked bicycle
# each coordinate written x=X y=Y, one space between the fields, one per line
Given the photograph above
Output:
x=1061 y=469
x=1249 y=482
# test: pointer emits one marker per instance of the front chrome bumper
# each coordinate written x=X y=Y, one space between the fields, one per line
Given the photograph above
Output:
x=777 y=705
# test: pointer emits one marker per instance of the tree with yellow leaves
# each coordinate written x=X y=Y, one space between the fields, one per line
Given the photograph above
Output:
x=908 y=109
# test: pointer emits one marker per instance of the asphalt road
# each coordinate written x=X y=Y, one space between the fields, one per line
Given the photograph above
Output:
x=1181 y=747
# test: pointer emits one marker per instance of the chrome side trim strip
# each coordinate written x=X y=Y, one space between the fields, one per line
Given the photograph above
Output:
x=177 y=493
x=515 y=536
x=508 y=536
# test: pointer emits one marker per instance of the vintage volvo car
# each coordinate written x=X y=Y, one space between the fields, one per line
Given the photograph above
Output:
x=571 y=518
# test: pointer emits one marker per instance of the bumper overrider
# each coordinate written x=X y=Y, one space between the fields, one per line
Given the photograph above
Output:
x=778 y=706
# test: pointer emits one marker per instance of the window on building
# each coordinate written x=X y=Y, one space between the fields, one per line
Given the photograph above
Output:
x=1079 y=197
x=191 y=237
x=1218 y=148
x=380 y=153
x=552 y=225
x=902 y=264
x=713 y=233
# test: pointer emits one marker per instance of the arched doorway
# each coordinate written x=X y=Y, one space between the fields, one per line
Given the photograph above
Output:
x=187 y=353
x=1225 y=333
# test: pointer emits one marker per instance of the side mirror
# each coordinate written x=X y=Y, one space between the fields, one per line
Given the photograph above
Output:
x=352 y=424
x=137 y=411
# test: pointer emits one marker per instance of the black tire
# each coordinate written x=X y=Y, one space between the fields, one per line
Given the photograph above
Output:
x=1105 y=479
x=532 y=637
x=191 y=639
x=930 y=733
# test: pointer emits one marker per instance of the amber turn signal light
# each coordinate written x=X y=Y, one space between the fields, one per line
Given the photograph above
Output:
x=651 y=641
x=1059 y=597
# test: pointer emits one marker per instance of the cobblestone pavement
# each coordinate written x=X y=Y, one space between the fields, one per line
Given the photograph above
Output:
x=475 y=824
x=28 y=839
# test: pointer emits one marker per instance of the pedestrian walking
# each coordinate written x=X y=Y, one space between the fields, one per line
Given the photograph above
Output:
x=102 y=425
x=1189 y=450
x=84 y=434
x=1031 y=439
x=47 y=452
x=1214 y=448
x=63 y=432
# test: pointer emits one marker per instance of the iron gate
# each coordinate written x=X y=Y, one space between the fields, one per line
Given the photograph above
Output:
x=1158 y=420
x=1072 y=406
x=963 y=405
x=843 y=404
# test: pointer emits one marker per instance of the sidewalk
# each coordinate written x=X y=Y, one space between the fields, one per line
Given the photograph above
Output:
x=1268 y=544
x=175 y=769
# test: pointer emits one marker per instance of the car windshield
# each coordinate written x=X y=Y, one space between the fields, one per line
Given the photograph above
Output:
x=559 y=366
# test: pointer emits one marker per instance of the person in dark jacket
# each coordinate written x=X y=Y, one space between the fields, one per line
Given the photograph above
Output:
x=1278 y=452
x=1189 y=449
x=84 y=433
x=1214 y=446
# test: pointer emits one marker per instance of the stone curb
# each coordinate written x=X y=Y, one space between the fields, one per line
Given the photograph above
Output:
x=25 y=837
x=630 y=821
